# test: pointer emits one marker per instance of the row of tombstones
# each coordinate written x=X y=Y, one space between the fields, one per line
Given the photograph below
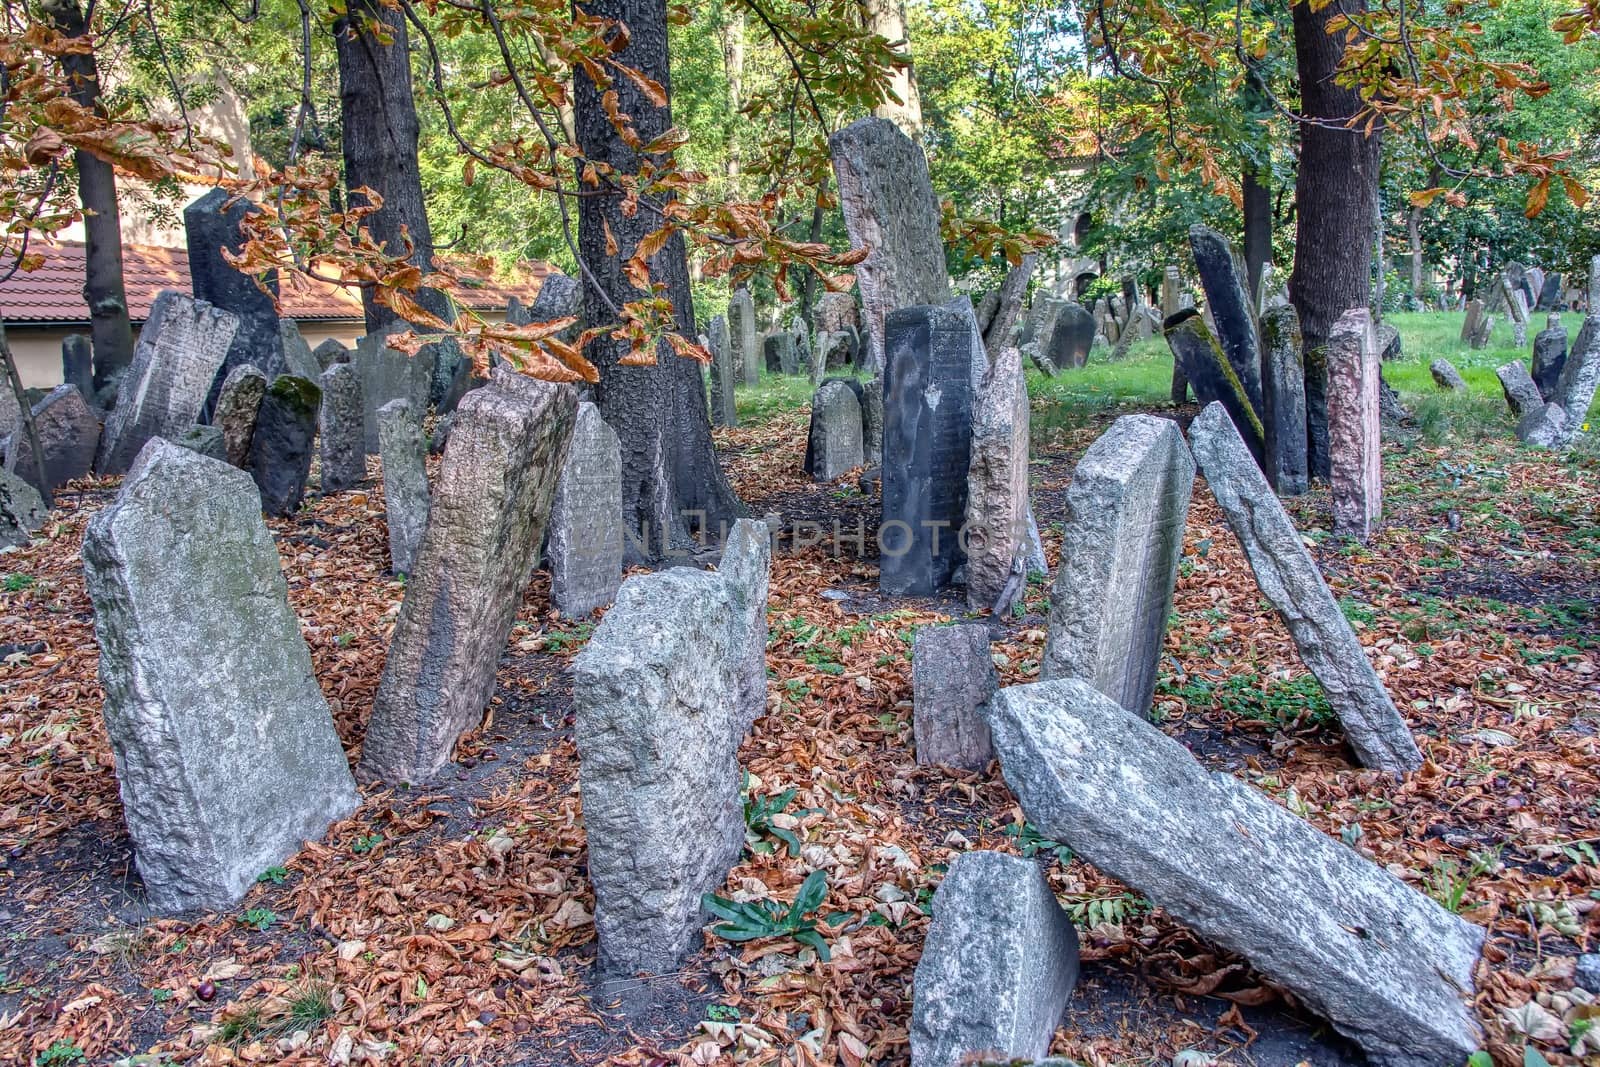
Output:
x=740 y=355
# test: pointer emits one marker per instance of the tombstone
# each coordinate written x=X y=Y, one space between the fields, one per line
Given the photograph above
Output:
x=724 y=412
x=1126 y=509
x=212 y=224
x=747 y=352
x=77 y=368
x=238 y=406
x=1288 y=577
x=1482 y=330
x=226 y=754
x=1544 y=427
x=1040 y=361
x=280 y=450
x=1445 y=375
x=387 y=374
x=1232 y=311
x=836 y=312
x=1549 y=356
x=1354 y=427
x=585 y=553
x=1387 y=966
x=1470 y=322
x=405 y=482
x=1008 y=306
x=486 y=520
x=997 y=484
x=1040 y=322
x=1207 y=370
x=1550 y=293
x=21 y=510
x=802 y=339
x=1272 y=291
x=1070 y=338
x=1390 y=348
x=166 y=385
x=1283 y=392
x=1580 y=375
x=838 y=350
x=10 y=412
x=778 y=353
x=663 y=691
x=890 y=209
x=297 y=355
x=559 y=297
x=205 y=440
x=935 y=359
x=872 y=422
x=952 y=675
x=344 y=451
x=834 y=445
x=817 y=359
x=1171 y=290
x=330 y=351
x=1533 y=286
x=1522 y=395
x=998 y=964
x=69 y=433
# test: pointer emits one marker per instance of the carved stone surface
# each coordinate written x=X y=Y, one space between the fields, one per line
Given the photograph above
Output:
x=997 y=481
x=1354 y=426
x=952 y=675
x=585 y=519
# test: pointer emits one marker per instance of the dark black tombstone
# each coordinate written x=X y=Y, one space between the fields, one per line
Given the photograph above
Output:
x=77 y=364
x=1231 y=308
x=1071 y=337
x=1549 y=357
x=1211 y=375
x=280 y=451
x=209 y=229
x=1550 y=293
x=1283 y=390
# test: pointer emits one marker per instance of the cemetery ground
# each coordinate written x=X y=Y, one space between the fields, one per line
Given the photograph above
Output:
x=455 y=924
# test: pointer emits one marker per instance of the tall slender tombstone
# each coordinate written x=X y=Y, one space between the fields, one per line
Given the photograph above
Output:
x=1232 y=310
x=485 y=523
x=281 y=447
x=1208 y=371
x=1283 y=391
x=935 y=365
x=405 y=481
x=890 y=209
x=180 y=349
x=1171 y=290
x=586 y=519
x=344 y=452
x=1008 y=305
x=1469 y=322
x=723 y=372
x=747 y=351
x=997 y=517
x=77 y=368
x=1549 y=356
x=210 y=225
x=1354 y=426
x=1126 y=510
x=388 y=374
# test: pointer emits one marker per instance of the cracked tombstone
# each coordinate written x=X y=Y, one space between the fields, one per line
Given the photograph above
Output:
x=486 y=520
x=1355 y=429
x=226 y=753
x=405 y=482
x=997 y=515
x=952 y=674
x=1290 y=580
x=1385 y=965
x=585 y=551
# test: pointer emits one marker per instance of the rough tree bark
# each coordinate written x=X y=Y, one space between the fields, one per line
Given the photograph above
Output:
x=671 y=482
x=1257 y=224
x=103 y=287
x=1336 y=197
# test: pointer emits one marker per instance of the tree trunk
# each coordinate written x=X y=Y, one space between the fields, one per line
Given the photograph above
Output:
x=103 y=288
x=380 y=146
x=1335 y=201
x=808 y=286
x=887 y=19
x=1414 y=245
x=732 y=31
x=1257 y=225
x=669 y=468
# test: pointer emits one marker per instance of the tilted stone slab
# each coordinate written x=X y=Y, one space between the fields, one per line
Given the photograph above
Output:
x=238 y=406
x=21 y=510
x=1549 y=357
x=69 y=434
x=1071 y=336
x=1445 y=376
x=280 y=450
x=485 y=522
x=1544 y=427
x=211 y=224
x=1283 y=391
x=225 y=748
x=1580 y=376
x=952 y=675
x=182 y=345
x=833 y=445
x=1207 y=371
x=1384 y=964
x=297 y=355
x=1120 y=549
x=997 y=966
x=405 y=481
x=1522 y=395
x=1232 y=310
x=996 y=525
x=1002 y=325
x=586 y=519
x=1290 y=580
x=341 y=429
x=1355 y=427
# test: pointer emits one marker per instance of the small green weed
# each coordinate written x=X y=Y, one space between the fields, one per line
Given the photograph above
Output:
x=275 y=875
x=1030 y=842
x=1089 y=912
x=259 y=918
x=760 y=919
x=366 y=843
x=758 y=813
x=1448 y=882
x=16 y=583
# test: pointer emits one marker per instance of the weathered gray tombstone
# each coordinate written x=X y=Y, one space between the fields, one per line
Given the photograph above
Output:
x=723 y=375
x=747 y=351
x=778 y=353
x=1533 y=279
x=1580 y=375
x=872 y=422
x=663 y=692
x=213 y=223
x=1283 y=393
x=997 y=333
x=997 y=967
x=1232 y=310
x=996 y=525
x=1482 y=332
x=1522 y=396
x=405 y=482
x=330 y=351
x=1549 y=356
x=1206 y=370
x=1390 y=347
x=21 y=510
x=1355 y=428
x=342 y=432
x=225 y=748
x=1071 y=337
x=69 y=434
x=585 y=553
x=206 y=440
x=1471 y=320
x=816 y=356
x=559 y=297
x=485 y=523
x=836 y=312
x=1387 y=966
x=182 y=345
x=280 y=450
x=935 y=363
x=1445 y=375
x=1550 y=293
x=952 y=675
x=77 y=368
x=10 y=412
x=1290 y=580
x=1126 y=510
x=1171 y=291
x=834 y=443
x=1544 y=427
x=889 y=208
x=387 y=374
x=297 y=354
x=238 y=406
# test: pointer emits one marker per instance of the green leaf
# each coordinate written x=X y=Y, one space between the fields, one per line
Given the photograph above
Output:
x=813 y=891
x=1532 y=1057
x=814 y=939
x=1480 y=1058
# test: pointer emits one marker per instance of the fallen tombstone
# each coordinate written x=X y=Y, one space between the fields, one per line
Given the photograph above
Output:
x=833 y=444
x=486 y=520
x=341 y=430
x=1445 y=375
x=1206 y=370
x=662 y=691
x=280 y=450
x=226 y=753
x=1522 y=396
x=998 y=964
x=1283 y=391
x=69 y=435
x=238 y=406
x=21 y=510
x=996 y=524
x=952 y=674
x=405 y=482
x=585 y=550
x=1549 y=356
x=1127 y=506
x=205 y=440
x=1384 y=964
x=1355 y=429
x=1290 y=580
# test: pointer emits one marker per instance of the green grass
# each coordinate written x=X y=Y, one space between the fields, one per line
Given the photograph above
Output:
x=776 y=394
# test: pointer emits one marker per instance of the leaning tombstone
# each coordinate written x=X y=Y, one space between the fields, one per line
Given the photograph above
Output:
x=1008 y=305
x=226 y=753
x=1549 y=356
x=663 y=692
x=69 y=434
x=297 y=354
x=1126 y=510
x=341 y=431
x=21 y=510
x=1354 y=427
x=998 y=964
x=1071 y=337
x=1206 y=370
x=212 y=224
x=1390 y=347
x=485 y=523
x=1580 y=376
x=1445 y=375
x=1522 y=396
x=405 y=482
x=1544 y=427
x=1290 y=580
x=952 y=675
x=238 y=406
x=1283 y=394
x=935 y=360
x=280 y=450
x=833 y=446
x=1387 y=966
x=585 y=552
x=996 y=525
x=1232 y=311
x=182 y=345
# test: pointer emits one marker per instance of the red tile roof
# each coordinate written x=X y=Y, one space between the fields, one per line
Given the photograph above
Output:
x=54 y=292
